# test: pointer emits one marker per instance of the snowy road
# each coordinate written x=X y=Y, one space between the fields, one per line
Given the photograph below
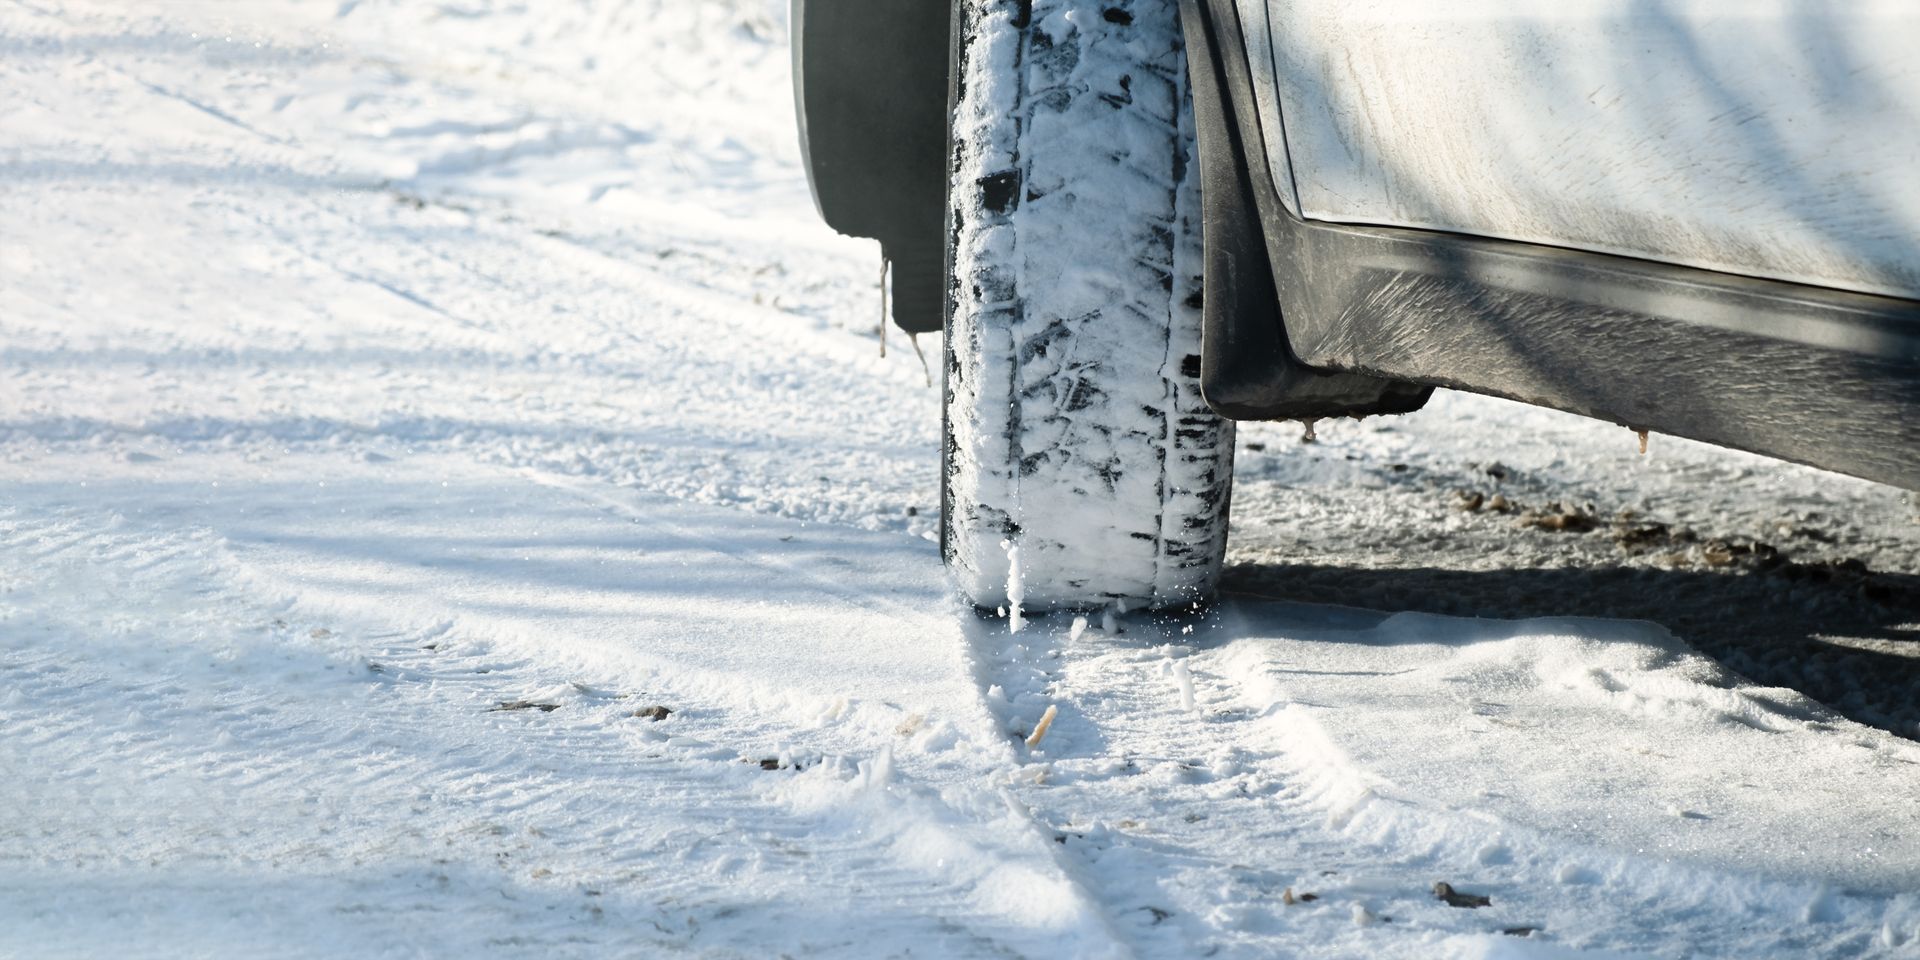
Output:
x=400 y=400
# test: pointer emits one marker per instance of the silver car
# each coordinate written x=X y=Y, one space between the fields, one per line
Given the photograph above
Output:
x=1140 y=220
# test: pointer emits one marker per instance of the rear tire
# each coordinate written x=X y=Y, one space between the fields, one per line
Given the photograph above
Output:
x=1076 y=436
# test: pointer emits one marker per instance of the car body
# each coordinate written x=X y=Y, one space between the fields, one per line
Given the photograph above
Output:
x=1699 y=219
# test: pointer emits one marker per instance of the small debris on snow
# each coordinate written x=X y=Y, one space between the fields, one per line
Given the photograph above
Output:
x=1473 y=501
x=1040 y=729
x=509 y=705
x=1560 y=519
x=910 y=725
x=1638 y=537
x=656 y=713
x=1290 y=898
x=320 y=633
x=1520 y=931
x=1445 y=893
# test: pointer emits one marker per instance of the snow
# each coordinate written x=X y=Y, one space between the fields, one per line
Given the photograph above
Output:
x=399 y=400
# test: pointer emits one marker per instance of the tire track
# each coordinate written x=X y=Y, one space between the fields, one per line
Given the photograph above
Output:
x=1193 y=792
x=202 y=713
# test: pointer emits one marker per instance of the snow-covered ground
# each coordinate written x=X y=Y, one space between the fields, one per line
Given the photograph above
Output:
x=400 y=399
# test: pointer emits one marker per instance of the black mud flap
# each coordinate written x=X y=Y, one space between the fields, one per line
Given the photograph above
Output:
x=870 y=91
x=1248 y=371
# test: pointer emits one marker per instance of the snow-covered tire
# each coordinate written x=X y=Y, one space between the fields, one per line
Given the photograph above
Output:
x=1081 y=464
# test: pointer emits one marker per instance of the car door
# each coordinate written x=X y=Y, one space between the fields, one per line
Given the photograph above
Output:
x=1768 y=138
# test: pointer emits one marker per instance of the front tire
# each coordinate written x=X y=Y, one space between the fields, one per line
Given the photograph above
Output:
x=1076 y=437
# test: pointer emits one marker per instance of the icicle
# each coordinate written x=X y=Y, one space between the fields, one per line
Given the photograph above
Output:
x=1040 y=729
x=1309 y=436
x=1016 y=589
x=883 y=305
x=913 y=339
x=1643 y=441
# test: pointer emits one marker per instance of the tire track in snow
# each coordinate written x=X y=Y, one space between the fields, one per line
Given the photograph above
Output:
x=1191 y=790
x=254 y=720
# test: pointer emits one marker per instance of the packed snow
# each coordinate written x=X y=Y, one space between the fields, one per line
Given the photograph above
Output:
x=452 y=503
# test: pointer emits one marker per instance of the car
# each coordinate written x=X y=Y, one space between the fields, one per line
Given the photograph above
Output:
x=1138 y=221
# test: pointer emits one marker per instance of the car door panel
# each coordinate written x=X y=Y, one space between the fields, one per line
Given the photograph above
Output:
x=1760 y=137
